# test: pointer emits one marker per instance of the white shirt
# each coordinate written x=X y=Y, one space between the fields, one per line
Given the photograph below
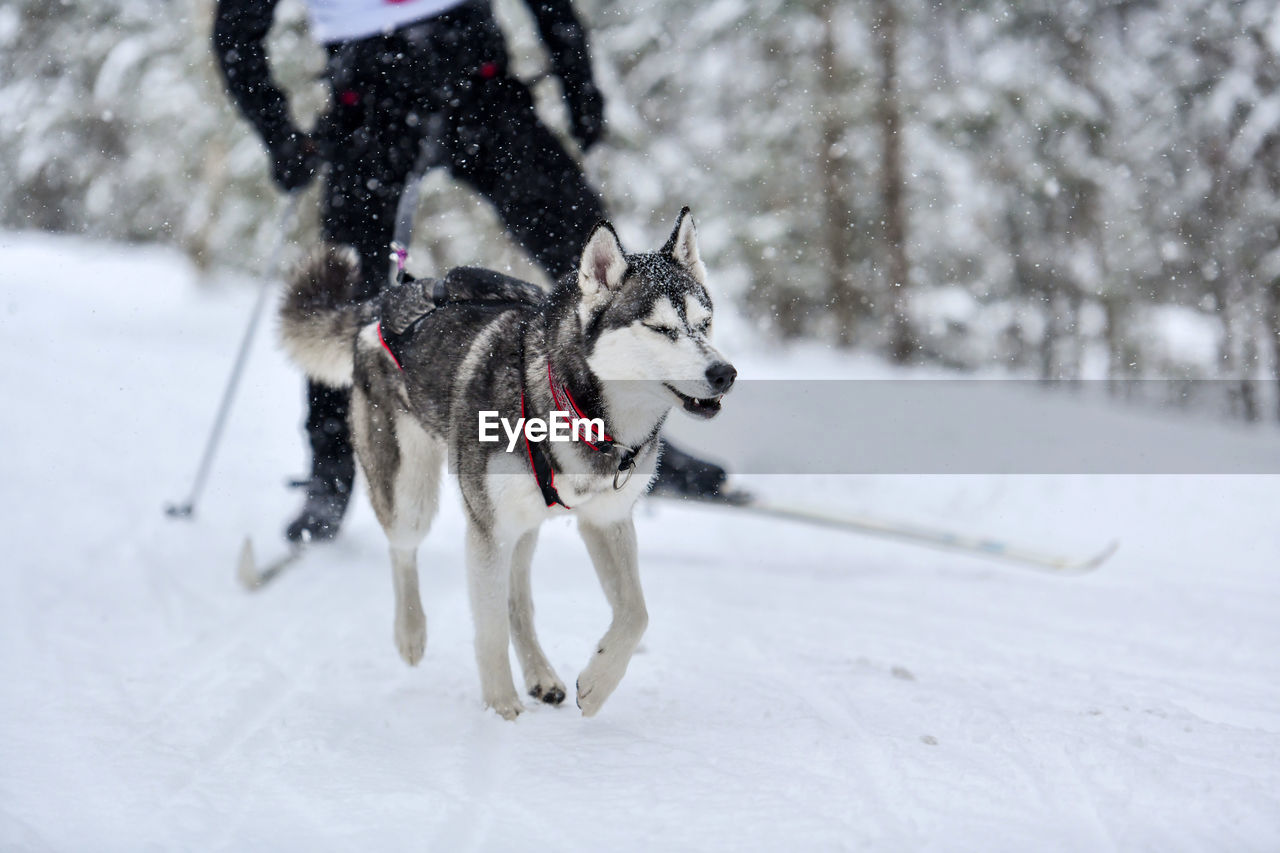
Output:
x=343 y=20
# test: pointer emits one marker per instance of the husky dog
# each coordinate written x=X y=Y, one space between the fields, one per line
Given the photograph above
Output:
x=617 y=344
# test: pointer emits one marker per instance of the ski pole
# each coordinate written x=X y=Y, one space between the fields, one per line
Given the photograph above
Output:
x=187 y=508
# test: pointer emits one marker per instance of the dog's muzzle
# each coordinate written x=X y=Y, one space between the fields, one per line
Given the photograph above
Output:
x=720 y=377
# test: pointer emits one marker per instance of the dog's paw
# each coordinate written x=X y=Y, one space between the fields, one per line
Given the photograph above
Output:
x=542 y=683
x=596 y=684
x=411 y=636
x=508 y=708
x=549 y=690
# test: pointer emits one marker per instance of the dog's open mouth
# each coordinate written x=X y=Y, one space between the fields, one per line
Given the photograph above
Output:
x=707 y=407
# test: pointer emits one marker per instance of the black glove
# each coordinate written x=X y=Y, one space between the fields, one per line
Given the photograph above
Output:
x=586 y=113
x=294 y=160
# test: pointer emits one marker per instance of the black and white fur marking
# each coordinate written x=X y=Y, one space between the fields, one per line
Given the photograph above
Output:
x=628 y=334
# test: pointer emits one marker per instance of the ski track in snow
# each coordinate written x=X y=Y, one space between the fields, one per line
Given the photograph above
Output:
x=797 y=688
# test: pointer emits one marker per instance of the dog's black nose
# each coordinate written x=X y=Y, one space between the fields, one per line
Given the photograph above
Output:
x=721 y=376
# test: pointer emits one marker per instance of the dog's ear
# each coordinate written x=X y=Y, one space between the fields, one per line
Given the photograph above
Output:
x=603 y=264
x=682 y=246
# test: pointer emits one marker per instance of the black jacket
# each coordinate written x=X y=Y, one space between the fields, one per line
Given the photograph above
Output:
x=240 y=30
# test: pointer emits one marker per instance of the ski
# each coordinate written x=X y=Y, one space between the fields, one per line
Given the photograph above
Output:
x=253 y=576
x=911 y=533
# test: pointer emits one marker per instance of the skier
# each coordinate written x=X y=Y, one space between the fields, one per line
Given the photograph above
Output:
x=401 y=71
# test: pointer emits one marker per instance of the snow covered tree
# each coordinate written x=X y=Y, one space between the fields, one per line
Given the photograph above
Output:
x=116 y=125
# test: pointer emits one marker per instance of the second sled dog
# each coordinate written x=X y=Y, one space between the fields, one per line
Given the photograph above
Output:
x=619 y=343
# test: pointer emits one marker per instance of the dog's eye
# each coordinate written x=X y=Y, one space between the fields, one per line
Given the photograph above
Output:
x=673 y=334
x=704 y=327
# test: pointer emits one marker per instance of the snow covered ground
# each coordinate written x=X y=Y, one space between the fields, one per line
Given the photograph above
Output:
x=797 y=689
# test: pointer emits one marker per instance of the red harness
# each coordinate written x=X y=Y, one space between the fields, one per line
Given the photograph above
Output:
x=539 y=460
x=385 y=346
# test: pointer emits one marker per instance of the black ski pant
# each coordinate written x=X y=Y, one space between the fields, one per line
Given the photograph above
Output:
x=443 y=81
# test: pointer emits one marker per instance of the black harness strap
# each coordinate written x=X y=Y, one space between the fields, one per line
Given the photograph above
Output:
x=460 y=286
x=539 y=462
x=393 y=344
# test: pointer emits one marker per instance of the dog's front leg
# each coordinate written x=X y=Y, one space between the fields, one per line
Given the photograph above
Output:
x=488 y=571
x=613 y=551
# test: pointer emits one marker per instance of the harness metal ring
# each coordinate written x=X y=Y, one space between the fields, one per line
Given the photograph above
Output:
x=629 y=468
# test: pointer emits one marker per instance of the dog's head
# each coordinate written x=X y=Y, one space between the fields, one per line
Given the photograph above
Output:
x=646 y=318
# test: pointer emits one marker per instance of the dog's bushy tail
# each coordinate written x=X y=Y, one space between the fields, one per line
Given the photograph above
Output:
x=318 y=319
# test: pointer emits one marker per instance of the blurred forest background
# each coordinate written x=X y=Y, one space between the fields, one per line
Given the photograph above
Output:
x=1059 y=189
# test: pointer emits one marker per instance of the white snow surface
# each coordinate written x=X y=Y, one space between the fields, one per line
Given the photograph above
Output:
x=797 y=688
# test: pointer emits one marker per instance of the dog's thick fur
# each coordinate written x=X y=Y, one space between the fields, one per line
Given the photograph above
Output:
x=627 y=334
